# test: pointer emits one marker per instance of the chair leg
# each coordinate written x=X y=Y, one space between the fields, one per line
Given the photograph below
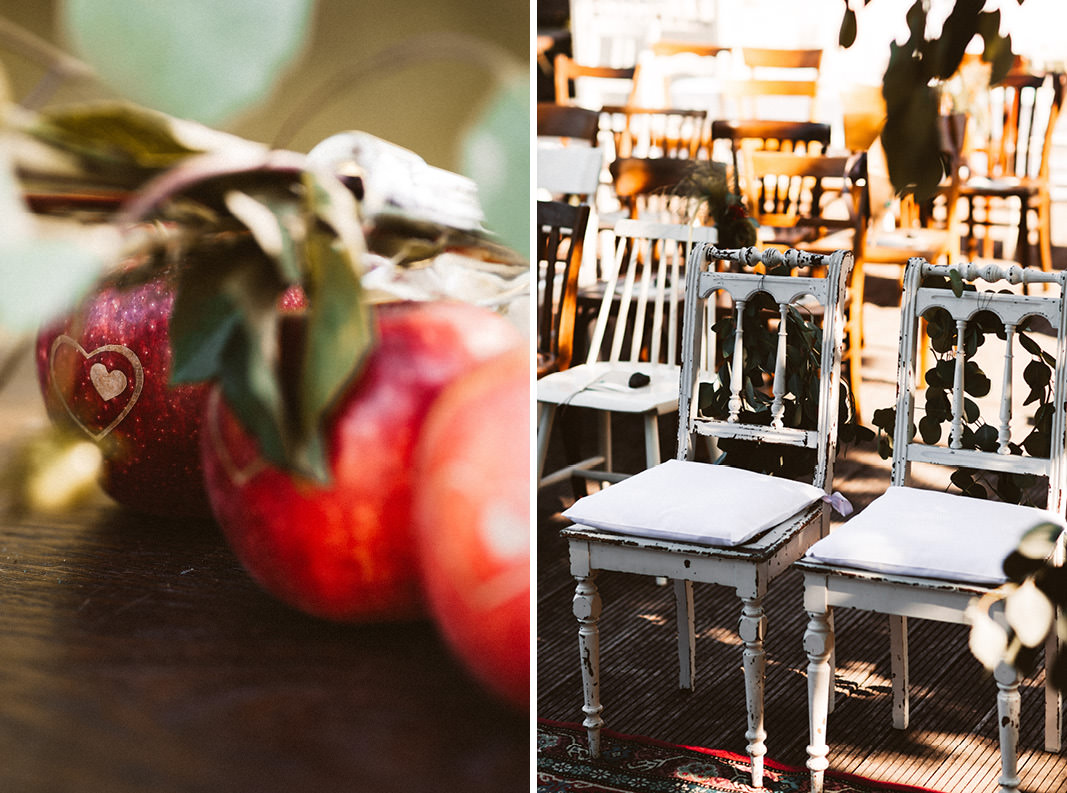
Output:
x=652 y=456
x=751 y=629
x=586 y=606
x=683 y=599
x=898 y=662
x=546 y=413
x=1008 y=713
x=1053 y=698
x=818 y=643
x=604 y=439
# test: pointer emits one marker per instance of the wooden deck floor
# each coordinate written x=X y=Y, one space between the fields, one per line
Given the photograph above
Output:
x=952 y=743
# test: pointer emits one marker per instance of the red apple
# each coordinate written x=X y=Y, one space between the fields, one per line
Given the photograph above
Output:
x=472 y=520
x=344 y=550
x=104 y=370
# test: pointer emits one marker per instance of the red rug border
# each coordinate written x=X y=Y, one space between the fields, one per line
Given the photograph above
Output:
x=725 y=755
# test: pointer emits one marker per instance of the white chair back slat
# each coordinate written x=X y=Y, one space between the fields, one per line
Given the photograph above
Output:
x=640 y=261
x=630 y=259
x=1004 y=430
x=607 y=301
x=643 y=293
x=703 y=285
x=1011 y=310
x=778 y=385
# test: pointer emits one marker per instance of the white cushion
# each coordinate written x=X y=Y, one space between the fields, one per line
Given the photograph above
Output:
x=694 y=502
x=930 y=534
x=605 y=386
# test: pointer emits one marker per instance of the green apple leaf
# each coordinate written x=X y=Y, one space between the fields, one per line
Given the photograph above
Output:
x=199 y=59
x=340 y=332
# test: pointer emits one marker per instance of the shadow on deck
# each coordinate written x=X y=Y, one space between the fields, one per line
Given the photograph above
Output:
x=952 y=743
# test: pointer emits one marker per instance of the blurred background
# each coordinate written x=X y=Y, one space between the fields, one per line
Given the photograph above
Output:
x=423 y=106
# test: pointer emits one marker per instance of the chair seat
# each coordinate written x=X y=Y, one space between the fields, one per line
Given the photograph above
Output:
x=605 y=386
x=930 y=534
x=1003 y=187
x=694 y=502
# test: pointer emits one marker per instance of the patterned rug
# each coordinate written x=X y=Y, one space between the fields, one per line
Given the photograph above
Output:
x=630 y=764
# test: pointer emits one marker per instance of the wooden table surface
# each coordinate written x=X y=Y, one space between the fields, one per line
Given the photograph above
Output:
x=136 y=655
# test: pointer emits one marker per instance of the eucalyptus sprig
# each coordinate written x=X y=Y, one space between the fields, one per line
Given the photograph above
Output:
x=707 y=184
x=936 y=411
x=803 y=365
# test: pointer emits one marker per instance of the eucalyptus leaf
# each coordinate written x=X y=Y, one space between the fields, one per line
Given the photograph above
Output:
x=1029 y=612
x=846 y=36
x=930 y=429
x=985 y=438
x=42 y=278
x=956 y=282
x=198 y=59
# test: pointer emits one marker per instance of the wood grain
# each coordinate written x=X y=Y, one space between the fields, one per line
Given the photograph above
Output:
x=136 y=654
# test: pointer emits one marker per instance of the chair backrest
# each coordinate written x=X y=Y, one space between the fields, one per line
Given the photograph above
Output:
x=774 y=311
x=617 y=83
x=802 y=137
x=973 y=412
x=569 y=172
x=640 y=312
x=802 y=197
x=560 y=238
x=781 y=74
x=611 y=32
x=652 y=132
x=569 y=123
x=1021 y=113
x=647 y=187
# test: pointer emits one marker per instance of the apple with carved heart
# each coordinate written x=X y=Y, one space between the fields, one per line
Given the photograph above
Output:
x=345 y=549
x=103 y=370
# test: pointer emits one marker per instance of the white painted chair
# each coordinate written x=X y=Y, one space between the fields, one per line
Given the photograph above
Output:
x=919 y=551
x=636 y=332
x=716 y=523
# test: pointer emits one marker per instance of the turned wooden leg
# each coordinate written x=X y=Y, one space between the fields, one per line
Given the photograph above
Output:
x=1008 y=711
x=818 y=643
x=683 y=599
x=898 y=663
x=586 y=607
x=751 y=629
x=652 y=456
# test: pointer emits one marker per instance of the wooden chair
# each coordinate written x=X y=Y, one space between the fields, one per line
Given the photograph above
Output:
x=635 y=332
x=1010 y=167
x=647 y=187
x=567 y=123
x=815 y=202
x=716 y=523
x=918 y=551
x=656 y=132
x=801 y=137
x=683 y=73
x=777 y=78
x=616 y=82
x=927 y=229
x=569 y=173
x=560 y=239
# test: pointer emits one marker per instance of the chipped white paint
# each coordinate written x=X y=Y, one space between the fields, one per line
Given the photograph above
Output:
x=901 y=597
x=749 y=568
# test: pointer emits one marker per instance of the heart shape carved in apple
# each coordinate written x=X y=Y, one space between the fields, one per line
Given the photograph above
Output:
x=98 y=388
x=240 y=468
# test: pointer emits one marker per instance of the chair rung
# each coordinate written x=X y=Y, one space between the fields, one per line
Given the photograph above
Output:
x=574 y=469
x=603 y=476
